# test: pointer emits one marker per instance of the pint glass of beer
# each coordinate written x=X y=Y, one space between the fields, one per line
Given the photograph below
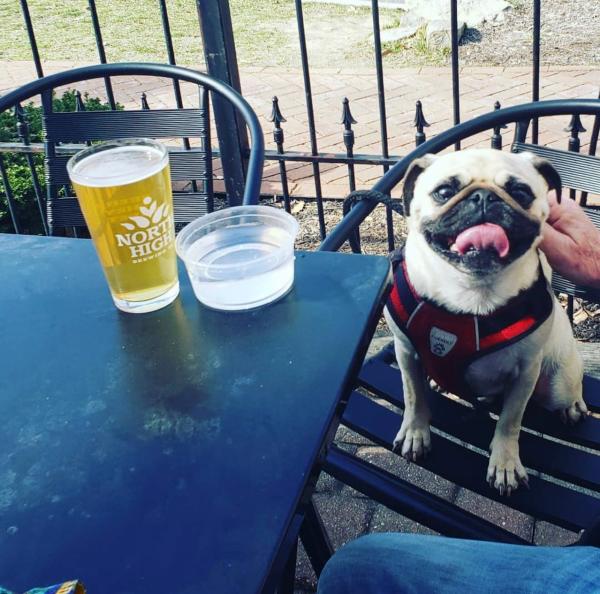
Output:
x=124 y=190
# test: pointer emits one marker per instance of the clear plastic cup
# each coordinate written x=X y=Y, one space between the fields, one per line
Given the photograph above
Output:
x=241 y=257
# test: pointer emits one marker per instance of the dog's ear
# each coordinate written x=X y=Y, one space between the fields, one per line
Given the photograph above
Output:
x=547 y=171
x=410 y=179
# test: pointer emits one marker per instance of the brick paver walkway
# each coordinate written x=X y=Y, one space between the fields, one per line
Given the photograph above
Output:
x=480 y=88
x=347 y=513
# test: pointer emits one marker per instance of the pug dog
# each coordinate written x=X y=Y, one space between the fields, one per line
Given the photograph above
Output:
x=471 y=305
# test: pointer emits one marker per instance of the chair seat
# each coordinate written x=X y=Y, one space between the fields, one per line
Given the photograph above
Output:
x=564 y=461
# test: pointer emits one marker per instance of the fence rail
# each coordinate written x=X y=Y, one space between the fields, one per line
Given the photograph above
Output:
x=215 y=24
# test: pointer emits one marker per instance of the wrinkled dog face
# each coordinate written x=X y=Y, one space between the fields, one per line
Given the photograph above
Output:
x=479 y=209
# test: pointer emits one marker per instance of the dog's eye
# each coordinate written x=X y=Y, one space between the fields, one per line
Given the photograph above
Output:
x=444 y=193
x=521 y=193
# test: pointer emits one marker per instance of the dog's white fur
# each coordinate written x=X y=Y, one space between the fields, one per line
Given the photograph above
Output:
x=548 y=357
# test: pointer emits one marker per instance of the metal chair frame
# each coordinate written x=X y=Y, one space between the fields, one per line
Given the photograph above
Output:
x=522 y=115
x=86 y=126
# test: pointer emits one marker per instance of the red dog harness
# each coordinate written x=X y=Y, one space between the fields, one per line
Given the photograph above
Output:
x=447 y=343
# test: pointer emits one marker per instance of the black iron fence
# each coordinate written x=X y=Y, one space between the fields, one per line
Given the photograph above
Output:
x=215 y=24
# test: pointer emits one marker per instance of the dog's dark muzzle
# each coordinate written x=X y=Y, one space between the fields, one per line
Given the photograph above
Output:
x=480 y=204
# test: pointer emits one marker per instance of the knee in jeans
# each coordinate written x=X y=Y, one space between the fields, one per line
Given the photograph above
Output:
x=353 y=559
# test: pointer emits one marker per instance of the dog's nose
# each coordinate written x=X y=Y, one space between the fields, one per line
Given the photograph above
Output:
x=483 y=197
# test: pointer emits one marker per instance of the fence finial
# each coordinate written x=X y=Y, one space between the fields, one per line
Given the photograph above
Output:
x=575 y=127
x=276 y=116
x=22 y=124
x=497 y=136
x=79 y=104
x=420 y=122
x=145 y=104
x=347 y=118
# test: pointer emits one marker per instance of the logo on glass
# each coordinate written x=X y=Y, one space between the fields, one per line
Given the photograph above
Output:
x=150 y=233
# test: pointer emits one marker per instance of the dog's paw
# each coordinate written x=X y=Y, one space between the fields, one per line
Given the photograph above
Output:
x=413 y=441
x=505 y=471
x=574 y=413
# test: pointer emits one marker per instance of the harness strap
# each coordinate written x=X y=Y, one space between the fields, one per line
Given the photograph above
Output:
x=448 y=342
x=518 y=317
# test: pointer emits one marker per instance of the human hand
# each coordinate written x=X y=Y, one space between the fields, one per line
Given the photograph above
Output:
x=571 y=243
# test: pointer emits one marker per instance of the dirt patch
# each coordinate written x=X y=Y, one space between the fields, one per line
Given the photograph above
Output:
x=373 y=231
x=587 y=321
x=569 y=36
x=349 y=31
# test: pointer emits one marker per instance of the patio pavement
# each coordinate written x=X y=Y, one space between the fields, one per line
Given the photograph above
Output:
x=347 y=513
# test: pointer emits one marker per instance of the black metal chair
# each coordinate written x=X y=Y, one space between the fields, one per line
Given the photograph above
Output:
x=565 y=461
x=193 y=165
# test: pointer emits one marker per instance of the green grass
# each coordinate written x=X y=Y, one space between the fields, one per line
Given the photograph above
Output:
x=265 y=30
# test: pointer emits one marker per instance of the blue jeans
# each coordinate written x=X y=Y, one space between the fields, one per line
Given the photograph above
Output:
x=413 y=563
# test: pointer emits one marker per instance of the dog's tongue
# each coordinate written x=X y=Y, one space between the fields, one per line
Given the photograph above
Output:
x=483 y=237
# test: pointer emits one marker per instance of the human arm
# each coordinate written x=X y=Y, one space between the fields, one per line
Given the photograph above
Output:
x=571 y=243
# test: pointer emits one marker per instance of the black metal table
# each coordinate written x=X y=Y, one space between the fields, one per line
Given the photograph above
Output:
x=166 y=452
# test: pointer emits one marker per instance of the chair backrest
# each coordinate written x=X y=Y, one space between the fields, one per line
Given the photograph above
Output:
x=191 y=168
x=187 y=164
x=577 y=171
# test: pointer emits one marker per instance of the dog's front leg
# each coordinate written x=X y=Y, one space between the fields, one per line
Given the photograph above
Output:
x=505 y=471
x=413 y=439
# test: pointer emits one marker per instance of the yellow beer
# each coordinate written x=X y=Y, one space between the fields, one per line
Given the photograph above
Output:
x=124 y=190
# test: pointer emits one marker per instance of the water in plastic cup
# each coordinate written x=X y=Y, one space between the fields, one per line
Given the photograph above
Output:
x=240 y=258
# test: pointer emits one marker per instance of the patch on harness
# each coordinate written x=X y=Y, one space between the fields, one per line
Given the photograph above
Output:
x=441 y=342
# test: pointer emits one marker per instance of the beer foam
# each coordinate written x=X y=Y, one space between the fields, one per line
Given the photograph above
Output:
x=118 y=166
